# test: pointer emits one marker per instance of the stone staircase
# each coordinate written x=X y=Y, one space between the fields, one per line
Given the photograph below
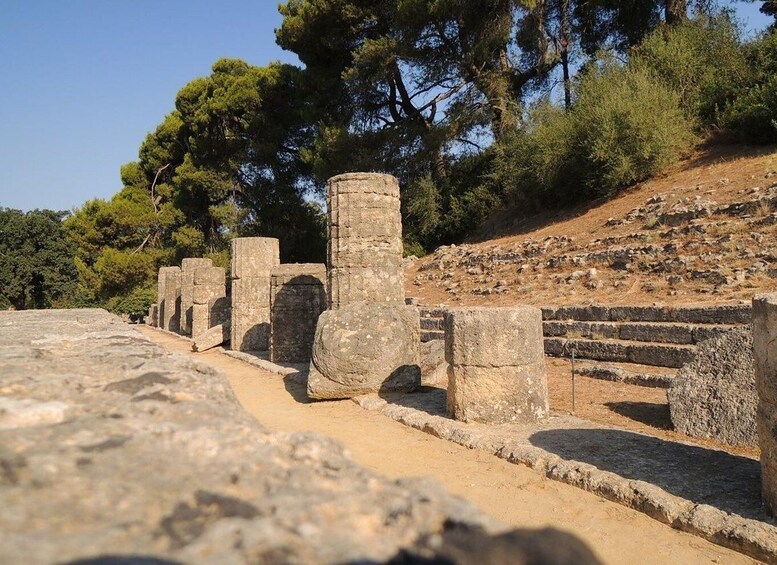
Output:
x=635 y=344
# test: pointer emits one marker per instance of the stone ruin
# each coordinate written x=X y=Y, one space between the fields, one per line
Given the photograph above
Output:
x=714 y=395
x=189 y=267
x=368 y=341
x=765 y=355
x=496 y=365
x=253 y=260
x=364 y=243
x=210 y=305
x=298 y=296
x=169 y=288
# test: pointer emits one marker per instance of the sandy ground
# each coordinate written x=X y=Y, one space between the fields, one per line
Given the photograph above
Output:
x=513 y=494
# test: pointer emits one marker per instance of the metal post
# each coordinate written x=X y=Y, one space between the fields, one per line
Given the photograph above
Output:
x=573 y=383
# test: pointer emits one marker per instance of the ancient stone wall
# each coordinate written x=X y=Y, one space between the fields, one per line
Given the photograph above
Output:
x=253 y=260
x=171 y=299
x=209 y=285
x=364 y=249
x=188 y=267
x=153 y=316
x=765 y=355
x=298 y=296
x=496 y=365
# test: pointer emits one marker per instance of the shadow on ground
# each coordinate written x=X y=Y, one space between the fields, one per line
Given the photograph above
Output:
x=703 y=476
x=649 y=413
x=296 y=384
x=431 y=400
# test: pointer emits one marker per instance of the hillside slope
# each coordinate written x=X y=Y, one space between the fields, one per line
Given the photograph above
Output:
x=704 y=232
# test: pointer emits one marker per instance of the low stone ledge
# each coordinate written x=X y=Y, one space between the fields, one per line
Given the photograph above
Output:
x=112 y=447
x=754 y=537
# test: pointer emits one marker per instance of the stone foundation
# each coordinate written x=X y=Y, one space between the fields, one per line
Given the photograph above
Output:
x=765 y=355
x=298 y=297
x=253 y=259
x=496 y=365
x=364 y=249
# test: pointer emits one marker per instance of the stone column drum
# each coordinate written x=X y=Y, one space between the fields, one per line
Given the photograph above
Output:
x=298 y=296
x=364 y=248
x=253 y=260
x=496 y=365
x=171 y=301
x=209 y=287
x=188 y=268
x=765 y=357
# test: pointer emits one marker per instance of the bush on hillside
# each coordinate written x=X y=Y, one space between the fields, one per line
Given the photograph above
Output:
x=703 y=60
x=624 y=127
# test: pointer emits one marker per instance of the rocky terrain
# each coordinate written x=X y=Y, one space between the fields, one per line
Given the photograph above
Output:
x=707 y=232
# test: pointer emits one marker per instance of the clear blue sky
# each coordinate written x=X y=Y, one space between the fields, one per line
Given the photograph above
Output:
x=83 y=81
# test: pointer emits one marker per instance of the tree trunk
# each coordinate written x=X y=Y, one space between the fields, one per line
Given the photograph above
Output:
x=565 y=54
x=675 y=11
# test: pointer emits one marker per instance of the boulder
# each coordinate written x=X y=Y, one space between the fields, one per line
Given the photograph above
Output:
x=714 y=396
x=362 y=348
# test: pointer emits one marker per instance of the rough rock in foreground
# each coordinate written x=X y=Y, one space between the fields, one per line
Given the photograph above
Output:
x=714 y=395
x=111 y=447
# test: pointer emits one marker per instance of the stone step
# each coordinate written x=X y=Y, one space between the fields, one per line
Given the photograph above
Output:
x=430 y=335
x=657 y=332
x=702 y=314
x=434 y=324
x=640 y=375
x=621 y=351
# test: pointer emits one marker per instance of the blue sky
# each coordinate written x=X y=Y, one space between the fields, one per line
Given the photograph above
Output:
x=83 y=81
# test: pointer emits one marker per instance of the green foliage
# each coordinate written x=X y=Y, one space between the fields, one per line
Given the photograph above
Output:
x=702 y=60
x=752 y=117
x=135 y=304
x=624 y=127
x=37 y=265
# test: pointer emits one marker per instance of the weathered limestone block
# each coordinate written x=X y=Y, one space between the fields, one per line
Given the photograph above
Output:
x=153 y=316
x=212 y=337
x=361 y=348
x=205 y=316
x=364 y=246
x=253 y=260
x=765 y=356
x=160 y=294
x=159 y=463
x=209 y=285
x=171 y=300
x=496 y=365
x=298 y=298
x=188 y=268
x=714 y=395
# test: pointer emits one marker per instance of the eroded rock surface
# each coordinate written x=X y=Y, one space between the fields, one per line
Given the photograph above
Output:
x=110 y=446
x=714 y=395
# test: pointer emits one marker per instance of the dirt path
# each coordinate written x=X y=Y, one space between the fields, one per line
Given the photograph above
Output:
x=513 y=494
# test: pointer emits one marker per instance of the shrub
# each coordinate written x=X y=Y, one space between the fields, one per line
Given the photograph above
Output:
x=752 y=117
x=624 y=127
x=703 y=60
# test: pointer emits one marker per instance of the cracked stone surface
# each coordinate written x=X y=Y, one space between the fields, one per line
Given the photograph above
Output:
x=111 y=447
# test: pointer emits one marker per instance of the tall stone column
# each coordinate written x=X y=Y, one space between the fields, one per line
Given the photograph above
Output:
x=188 y=268
x=253 y=260
x=208 y=294
x=364 y=248
x=496 y=365
x=765 y=357
x=298 y=298
x=160 y=293
x=171 y=303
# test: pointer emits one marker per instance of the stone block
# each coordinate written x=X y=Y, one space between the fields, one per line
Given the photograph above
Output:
x=493 y=337
x=713 y=396
x=187 y=291
x=254 y=257
x=203 y=293
x=362 y=348
x=210 y=276
x=153 y=316
x=212 y=337
x=496 y=365
x=162 y=277
x=250 y=328
x=195 y=263
x=765 y=363
x=253 y=291
x=365 y=284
